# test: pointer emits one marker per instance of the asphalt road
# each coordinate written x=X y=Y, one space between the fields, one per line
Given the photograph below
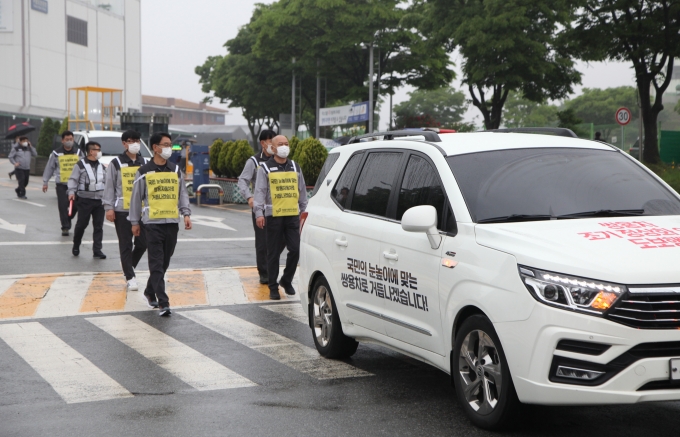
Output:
x=231 y=370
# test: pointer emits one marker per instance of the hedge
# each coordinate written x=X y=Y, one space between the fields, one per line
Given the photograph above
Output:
x=311 y=155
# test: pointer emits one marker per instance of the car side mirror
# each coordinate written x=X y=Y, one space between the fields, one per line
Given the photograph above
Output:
x=423 y=218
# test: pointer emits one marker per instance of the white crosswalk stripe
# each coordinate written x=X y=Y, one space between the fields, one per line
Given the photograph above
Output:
x=185 y=363
x=291 y=310
x=291 y=353
x=71 y=375
x=65 y=296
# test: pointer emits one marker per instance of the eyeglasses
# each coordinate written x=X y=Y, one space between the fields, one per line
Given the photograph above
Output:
x=165 y=144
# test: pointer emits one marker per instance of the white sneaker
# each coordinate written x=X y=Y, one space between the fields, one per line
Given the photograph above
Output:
x=132 y=284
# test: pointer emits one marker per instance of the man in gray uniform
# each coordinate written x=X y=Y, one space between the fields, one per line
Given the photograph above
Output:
x=120 y=177
x=248 y=178
x=88 y=181
x=159 y=196
x=61 y=165
x=20 y=158
x=280 y=216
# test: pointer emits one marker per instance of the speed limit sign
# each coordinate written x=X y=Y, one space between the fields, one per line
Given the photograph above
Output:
x=623 y=116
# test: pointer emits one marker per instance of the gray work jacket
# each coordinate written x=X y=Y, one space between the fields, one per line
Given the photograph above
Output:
x=139 y=202
x=262 y=204
x=87 y=180
x=22 y=156
x=52 y=167
x=113 y=191
x=248 y=176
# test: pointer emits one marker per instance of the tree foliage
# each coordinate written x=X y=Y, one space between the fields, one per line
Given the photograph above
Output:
x=568 y=119
x=507 y=45
x=293 y=143
x=520 y=112
x=311 y=155
x=64 y=126
x=48 y=130
x=223 y=160
x=599 y=106
x=214 y=152
x=242 y=151
x=441 y=107
x=643 y=32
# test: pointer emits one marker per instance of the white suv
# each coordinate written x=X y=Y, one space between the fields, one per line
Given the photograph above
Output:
x=111 y=143
x=532 y=268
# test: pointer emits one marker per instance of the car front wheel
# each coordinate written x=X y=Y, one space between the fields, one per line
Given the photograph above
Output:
x=481 y=376
x=329 y=339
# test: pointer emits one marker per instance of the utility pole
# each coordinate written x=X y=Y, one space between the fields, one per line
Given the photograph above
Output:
x=318 y=99
x=292 y=109
x=370 y=88
x=641 y=146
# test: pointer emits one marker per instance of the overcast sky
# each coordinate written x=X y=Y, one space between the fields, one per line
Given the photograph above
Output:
x=178 y=35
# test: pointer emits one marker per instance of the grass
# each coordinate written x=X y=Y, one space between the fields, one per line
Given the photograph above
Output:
x=669 y=173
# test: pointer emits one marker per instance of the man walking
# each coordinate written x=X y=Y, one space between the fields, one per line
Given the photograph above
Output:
x=280 y=197
x=88 y=181
x=159 y=196
x=247 y=178
x=61 y=165
x=20 y=158
x=120 y=178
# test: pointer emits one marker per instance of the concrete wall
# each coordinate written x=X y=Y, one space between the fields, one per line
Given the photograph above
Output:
x=39 y=65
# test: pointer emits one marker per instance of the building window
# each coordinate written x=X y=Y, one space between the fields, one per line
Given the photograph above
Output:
x=76 y=31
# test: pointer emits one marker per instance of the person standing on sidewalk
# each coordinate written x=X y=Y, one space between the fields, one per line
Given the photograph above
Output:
x=120 y=178
x=247 y=178
x=159 y=197
x=88 y=180
x=61 y=165
x=20 y=158
x=280 y=197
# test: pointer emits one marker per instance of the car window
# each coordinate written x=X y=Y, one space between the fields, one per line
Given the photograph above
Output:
x=341 y=189
x=557 y=182
x=372 y=193
x=113 y=146
x=327 y=165
x=421 y=186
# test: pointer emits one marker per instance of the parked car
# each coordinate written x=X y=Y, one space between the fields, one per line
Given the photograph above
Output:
x=532 y=268
x=110 y=141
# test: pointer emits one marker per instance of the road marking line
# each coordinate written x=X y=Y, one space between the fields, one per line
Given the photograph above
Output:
x=22 y=298
x=70 y=374
x=277 y=347
x=186 y=288
x=180 y=240
x=185 y=363
x=65 y=296
x=224 y=287
x=291 y=310
x=30 y=203
x=106 y=293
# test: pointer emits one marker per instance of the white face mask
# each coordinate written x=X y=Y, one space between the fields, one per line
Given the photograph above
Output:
x=134 y=148
x=282 y=151
x=24 y=144
x=68 y=144
x=269 y=149
x=99 y=155
x=166 y=152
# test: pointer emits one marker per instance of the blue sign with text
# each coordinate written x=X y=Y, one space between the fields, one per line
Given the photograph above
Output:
x=39 y=5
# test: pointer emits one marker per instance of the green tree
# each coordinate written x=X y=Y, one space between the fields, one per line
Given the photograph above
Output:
x=48 y=130
x=568 y=119
x=228 y=158
x=242 y=151
x=223 y=163
x=643 y=32
x=506 y=45
x=311 y=156
x=214 y=152
x=445 y=106
x=520 y=112
x=293 y=143
x=64 y=126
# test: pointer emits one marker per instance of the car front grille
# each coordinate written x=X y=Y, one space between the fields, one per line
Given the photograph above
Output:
x=647 y=310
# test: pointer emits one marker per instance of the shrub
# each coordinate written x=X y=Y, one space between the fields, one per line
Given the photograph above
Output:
x=242 y=151
x=46 y=137
x=64 y=126
x=215 y=156
x=222 y=163
x=227 y=159
x=311 y=155
x=294 y=142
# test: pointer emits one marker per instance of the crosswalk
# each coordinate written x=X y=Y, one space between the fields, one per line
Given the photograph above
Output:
x=68 y=366
x=59 y=295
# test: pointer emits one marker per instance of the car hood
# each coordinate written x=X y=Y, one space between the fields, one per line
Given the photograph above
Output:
x=625 y=250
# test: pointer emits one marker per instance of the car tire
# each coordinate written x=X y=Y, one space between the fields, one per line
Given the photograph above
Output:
x=324 y=320
x=484 y=387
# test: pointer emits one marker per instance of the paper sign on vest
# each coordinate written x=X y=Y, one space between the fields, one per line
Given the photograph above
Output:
x=127 y=180
x=66 y=164
x=284 y=190
x=163 y=194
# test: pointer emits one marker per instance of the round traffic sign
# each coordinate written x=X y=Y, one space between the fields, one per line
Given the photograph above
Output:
x=623 y=116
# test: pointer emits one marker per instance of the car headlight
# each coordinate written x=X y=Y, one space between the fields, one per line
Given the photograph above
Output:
x=571 y=292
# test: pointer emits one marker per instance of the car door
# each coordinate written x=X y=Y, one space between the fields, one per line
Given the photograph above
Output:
x=363 y=196
x=412 y=266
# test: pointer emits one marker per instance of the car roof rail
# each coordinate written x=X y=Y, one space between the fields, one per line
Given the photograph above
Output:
x=390 y=135
x=558 y=131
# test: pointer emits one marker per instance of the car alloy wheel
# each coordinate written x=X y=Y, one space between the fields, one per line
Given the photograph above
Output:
x=323 y=316
x=481 y=372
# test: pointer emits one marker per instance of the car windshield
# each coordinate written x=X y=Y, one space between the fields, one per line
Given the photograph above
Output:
x=113 y=146
x=549 y=183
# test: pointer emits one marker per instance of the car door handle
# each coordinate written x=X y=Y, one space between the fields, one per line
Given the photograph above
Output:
x=340 y=242
x=391 y=255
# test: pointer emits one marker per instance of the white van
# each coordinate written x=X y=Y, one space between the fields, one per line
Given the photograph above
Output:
x=534 y=269
x=111 y=143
